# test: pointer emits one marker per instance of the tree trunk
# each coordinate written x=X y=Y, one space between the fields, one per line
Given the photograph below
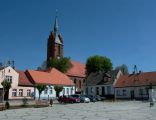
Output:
x=39 y=96
x=6 y=94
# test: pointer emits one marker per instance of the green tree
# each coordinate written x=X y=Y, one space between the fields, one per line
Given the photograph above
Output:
x=58 y=89
x=98 y=63
x=6 y=85
x=62 y=64
x=40 y=88
x=123 y=68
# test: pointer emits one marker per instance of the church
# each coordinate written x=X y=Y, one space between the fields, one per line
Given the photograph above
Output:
x=55 y=49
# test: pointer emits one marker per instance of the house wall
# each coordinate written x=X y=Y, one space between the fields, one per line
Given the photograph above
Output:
x=8 y=71
x=68 y=90
x=79 y=83
x=126 y=93
x=14 y=84
x=24 y=93
x=109 y=90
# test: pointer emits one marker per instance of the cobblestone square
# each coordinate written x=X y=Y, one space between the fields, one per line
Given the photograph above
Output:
x=129 y=110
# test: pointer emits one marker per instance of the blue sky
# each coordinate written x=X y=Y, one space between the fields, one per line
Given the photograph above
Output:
x=123 y=30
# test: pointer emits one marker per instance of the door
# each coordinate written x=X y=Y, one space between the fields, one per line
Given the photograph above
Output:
x=97 y=90
x=132 y=94
x=103 y=91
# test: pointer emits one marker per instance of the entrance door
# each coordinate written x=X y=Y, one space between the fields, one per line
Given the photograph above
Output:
x=132 y=94
x=103 y=91
x=97 y=90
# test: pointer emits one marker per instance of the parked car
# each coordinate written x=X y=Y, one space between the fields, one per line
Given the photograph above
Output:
x=84 y=99
x=91 y=97
x=68 y=99
x=98 y=97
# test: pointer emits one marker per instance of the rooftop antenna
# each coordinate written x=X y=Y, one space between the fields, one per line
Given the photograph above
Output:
x=135 y=69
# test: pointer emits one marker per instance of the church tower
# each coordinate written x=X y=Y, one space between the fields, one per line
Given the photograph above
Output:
x=55 y=43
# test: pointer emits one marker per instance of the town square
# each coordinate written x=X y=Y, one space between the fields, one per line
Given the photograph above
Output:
x=127 y=110
x=77 y=60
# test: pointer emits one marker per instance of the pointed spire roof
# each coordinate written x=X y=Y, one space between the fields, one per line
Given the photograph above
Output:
x=56 y=31
x=56 y=25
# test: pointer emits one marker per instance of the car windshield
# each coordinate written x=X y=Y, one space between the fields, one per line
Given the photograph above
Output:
x=75 y=96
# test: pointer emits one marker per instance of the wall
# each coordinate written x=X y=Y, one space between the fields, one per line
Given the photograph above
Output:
x=14 y=85
x=24 y=92
x=92 y=89
x=48 y=95
x=79 y=83
x=128 y=95
x=9 y=72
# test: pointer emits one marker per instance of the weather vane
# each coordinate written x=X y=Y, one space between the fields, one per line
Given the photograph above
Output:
x=56 y=12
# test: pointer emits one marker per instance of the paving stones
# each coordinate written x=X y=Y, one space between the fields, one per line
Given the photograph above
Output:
x=131 y=110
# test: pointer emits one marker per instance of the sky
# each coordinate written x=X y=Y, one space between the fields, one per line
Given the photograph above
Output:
x=122 y=30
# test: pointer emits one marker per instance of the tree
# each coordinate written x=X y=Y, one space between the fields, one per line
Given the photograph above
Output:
x=62 y=64
x=123 y=68
x=98 y=63
x=40 y=88
x=6 y=85
x=58 y=89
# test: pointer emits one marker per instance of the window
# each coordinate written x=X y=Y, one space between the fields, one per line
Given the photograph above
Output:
x=20 y=92
x=80 y=84
x=91 y=90
x=124 y=92
x=108 y=90
x=46 y=91
x=140 y=91
x=67 y=91
x=71 y=90
x=14 y=92
x=8 y=78
x=64 y=91
x=51 y=90
x=118 y=92
x=29 y=93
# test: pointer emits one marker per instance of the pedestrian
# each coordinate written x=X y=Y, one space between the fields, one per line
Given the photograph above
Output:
x=51 y=102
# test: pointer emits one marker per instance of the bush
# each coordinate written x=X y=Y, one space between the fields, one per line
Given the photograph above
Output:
x=7 y=105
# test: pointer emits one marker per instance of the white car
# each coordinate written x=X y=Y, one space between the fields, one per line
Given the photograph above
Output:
x=84 y=99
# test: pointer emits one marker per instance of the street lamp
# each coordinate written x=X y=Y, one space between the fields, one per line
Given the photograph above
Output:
x=3 y=76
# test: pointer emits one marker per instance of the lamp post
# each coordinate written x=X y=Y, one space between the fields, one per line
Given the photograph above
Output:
x=3 y=76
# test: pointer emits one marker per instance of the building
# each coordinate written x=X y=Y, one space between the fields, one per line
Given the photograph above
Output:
x=135 y=86
x=20 y=85
x=77 y=74
x=55 y=49
x=50 y=78
x=102 y=83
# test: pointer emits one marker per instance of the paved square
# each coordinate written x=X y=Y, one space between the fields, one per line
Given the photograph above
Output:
x=132 y=110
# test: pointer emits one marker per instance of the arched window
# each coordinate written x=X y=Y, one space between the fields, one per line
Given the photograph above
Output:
x=79 y=83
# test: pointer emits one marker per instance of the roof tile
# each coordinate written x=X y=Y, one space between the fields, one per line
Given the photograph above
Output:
x=139 y=79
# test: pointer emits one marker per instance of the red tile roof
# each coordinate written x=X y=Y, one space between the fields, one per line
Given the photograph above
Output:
x=23 y=79
x=140 y=79
x=78 y=69
x=53 y=77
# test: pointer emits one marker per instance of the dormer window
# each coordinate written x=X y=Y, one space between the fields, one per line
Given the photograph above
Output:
x=9 y=70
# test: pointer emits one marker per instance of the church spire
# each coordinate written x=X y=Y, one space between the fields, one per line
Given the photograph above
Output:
x=56 y=24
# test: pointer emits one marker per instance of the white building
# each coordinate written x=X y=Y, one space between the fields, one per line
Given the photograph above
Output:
x=51 y=78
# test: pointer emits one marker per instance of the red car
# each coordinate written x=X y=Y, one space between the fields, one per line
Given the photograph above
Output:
x=68 y=99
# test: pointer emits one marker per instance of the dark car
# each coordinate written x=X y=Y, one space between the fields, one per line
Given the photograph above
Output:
x=91 y=97
x=98 y=97
x=68 y=99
